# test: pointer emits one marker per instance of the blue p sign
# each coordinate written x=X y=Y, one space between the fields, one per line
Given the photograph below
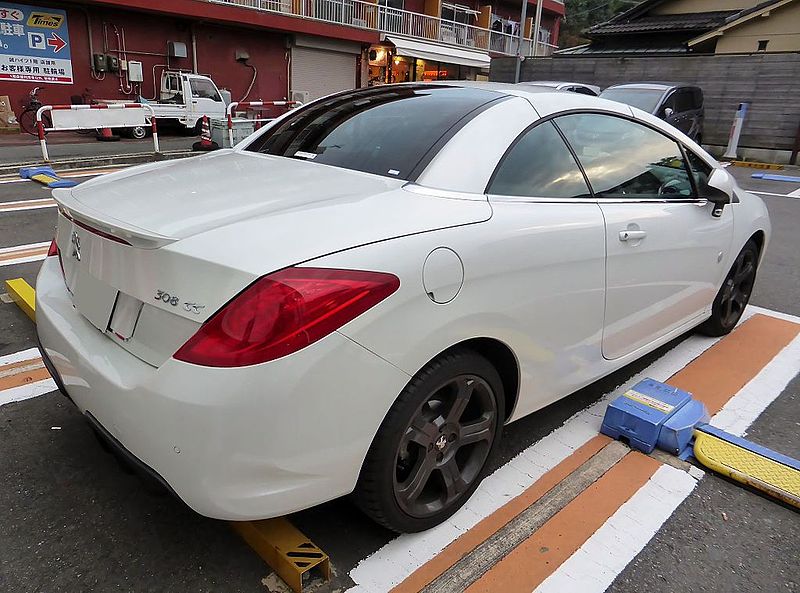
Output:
x=36 y=40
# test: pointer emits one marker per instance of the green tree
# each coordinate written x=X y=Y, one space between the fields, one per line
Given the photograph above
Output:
x=582 y=14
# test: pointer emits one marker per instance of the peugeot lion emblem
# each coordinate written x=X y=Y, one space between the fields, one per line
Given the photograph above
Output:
x=76 y=245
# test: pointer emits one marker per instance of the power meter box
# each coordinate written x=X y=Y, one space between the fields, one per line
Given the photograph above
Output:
x=653 y=414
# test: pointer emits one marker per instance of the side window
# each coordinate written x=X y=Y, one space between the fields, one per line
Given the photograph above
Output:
x=203 y=89
x=698 y=98
x=671 y=102
x=701 y=171
x=684 y=100
x=582 y=90
x=539 y=165
x=624 y=159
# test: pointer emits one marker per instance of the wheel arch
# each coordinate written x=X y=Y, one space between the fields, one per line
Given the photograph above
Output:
x=503 y=359
x=759 y=237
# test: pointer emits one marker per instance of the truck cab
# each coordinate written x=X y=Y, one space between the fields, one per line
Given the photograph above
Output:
x=188 y=97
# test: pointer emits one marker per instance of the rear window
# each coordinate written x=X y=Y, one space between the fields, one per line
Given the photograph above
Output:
x=387 y=131
x=645 y=99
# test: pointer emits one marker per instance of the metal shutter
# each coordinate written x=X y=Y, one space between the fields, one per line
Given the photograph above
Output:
x=321 y=72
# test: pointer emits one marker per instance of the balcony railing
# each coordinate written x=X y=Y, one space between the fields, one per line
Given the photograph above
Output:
x=366 y=15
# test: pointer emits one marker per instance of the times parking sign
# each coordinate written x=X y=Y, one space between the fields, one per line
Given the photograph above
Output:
x=34 y=44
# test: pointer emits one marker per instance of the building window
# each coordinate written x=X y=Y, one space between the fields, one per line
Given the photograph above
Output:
x=762 y=44
x=459 y=13
x=398 y=4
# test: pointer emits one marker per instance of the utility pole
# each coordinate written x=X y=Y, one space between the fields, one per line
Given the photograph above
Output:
x=537 y=23
x=520 y=39
x=535 y=41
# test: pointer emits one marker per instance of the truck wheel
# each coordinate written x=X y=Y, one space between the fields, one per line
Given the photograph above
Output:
x=138 y=133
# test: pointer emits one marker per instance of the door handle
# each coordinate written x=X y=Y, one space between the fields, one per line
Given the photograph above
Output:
x=632 y=235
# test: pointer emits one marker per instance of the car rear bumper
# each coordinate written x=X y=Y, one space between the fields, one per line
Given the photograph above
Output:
x=234 y=444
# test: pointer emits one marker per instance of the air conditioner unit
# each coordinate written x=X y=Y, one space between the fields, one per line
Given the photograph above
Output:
x=302 y=96
x=360 y=23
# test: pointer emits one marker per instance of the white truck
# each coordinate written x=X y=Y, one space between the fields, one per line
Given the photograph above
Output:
x=184 y=98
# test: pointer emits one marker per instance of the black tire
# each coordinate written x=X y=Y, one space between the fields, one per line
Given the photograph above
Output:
x=432 y=449
x=734 y=294
x=138 y=133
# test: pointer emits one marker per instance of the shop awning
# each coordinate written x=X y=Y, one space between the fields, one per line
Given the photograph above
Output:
x=439 y=53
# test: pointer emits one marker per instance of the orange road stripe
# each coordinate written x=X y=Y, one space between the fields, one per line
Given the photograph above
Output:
x=721 y=371
x=26 y=204
x=714 y=377
x=471 y=539
x=540 y=555
x=6 y=369
x=23 y=377
x=23 y=253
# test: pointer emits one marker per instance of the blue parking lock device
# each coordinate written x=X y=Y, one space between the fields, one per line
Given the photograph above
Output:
x=653 y=414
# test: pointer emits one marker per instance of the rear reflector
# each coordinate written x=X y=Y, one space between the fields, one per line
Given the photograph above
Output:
x=281 y=313
x=53 y=249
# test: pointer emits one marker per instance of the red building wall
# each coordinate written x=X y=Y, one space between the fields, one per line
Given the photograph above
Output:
x=146 y=37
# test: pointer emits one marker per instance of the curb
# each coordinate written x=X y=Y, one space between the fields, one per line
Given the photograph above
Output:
x=100 y=161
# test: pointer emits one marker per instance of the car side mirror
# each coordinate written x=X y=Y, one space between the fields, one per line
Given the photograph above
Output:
x=719 y=190
x=668 y=111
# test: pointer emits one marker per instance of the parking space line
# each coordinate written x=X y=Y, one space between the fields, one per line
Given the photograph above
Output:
x=594 y=566
x=29 y=354
x=77 y=173
x=628 y=531
x=27 y=205
x=723 y=370
x=494 y=522
x=538 y=557
x=22 y=373
x=23 y=376
x=794 y=194
x=410 y=554
x=20 y=254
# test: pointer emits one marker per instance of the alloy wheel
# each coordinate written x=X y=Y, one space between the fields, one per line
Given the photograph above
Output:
x=445 y=446
x=737 y=289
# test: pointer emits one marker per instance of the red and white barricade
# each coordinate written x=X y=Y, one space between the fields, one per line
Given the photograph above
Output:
x=258 y=104
x=67 y=118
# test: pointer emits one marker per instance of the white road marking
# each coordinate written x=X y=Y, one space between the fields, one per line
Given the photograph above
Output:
x=794 y=194
x=28 y=391
x=28 y=354
x=595 y=565
x=67 y=175
x=6 y=253
x=35 y=204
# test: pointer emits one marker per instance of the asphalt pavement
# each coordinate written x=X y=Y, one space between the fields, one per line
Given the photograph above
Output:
x=62 y=145
x=71 y=520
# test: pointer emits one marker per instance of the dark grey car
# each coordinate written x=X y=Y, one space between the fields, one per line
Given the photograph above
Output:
x=679 y=104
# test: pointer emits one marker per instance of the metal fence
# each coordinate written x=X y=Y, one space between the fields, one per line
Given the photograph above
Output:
x=366 y=15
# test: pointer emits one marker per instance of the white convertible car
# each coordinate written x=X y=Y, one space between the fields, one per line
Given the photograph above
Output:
x=357 y=298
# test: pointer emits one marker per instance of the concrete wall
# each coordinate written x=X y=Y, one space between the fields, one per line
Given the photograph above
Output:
x=769 y=82
x=781 y=28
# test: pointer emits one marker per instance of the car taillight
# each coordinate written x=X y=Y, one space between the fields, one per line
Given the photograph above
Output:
x=281 y=313
x=53 y=249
